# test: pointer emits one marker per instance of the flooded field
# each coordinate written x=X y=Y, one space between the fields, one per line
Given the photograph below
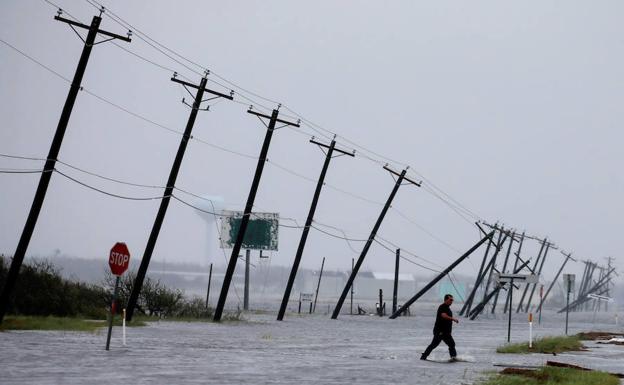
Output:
x=310 y=349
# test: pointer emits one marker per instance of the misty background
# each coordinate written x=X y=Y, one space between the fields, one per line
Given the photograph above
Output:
x=508 y=112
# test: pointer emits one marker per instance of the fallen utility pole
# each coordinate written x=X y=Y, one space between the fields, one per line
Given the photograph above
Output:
x=173 y=175
x=306 y=228
x=490 y=266
x=494 y=257
x=227 y=279
x=517 y=254
x=440 y=276
x=567 y=258
x=479 y=308
x=526 y=287
x=513 y=234
x=479 y=280
x=468 y=302
x=581 y=300
x=318 y=286
x=55 y=147
x=371 y=237
x=539 y=272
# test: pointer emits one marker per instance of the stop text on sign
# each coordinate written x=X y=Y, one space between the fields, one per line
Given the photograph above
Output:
x=118 y=259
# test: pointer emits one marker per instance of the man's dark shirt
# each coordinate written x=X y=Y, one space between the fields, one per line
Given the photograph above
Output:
x=443 y=325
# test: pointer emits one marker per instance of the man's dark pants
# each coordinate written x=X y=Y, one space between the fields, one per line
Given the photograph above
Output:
x=437 y=338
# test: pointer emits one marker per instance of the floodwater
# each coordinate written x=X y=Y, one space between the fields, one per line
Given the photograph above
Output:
x=302 y=349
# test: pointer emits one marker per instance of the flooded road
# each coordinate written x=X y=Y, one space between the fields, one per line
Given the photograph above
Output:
x=310 y=349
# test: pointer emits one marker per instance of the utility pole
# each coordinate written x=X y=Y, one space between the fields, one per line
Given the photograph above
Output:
x=511 y=241
x=371 y=237
x=55 y=147
x=352 y=288
x=409 y=303
x=318 y=286
x=208 y=291
x=396 y=281
x=227 y=279
x=539 y=272
x=508 y=301
x=173 y=175
x=468 y=302
x=500 y=245
x=306 y=229
x=609 y=261
x=474 y=313
x=567 y=257
x=246 y=295
x=526 y=286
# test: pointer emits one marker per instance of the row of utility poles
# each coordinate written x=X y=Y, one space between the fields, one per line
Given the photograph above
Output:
x=202 y=94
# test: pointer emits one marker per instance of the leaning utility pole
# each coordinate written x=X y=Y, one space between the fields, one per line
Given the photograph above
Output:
x=568 y=257
x=526 y=286
x=479 y=308
x=500 y=245
x=371 y=237
x=227 y=279
x=318 y=286
x=428 y=286
x=173 y=175
x=539 y=272
x=511 y=241
x=468 y=302
x=208 y=290
x=306 y=229
x=509 y=292
x=396 y=281
x=55 y=147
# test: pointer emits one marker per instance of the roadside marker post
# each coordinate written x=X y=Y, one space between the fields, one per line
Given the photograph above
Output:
x=530 y=330
x=123 y=327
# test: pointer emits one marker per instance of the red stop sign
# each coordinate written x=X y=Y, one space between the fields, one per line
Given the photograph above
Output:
x=119 y=258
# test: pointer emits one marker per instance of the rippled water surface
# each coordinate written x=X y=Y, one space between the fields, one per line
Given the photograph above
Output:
x=310 y=349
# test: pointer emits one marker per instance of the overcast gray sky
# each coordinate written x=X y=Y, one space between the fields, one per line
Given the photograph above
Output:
x=512 y=108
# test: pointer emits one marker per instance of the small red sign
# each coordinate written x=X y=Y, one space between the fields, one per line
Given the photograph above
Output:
x=119 y=258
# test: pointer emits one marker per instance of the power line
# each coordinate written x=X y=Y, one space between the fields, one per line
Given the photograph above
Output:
x=320 y=130
x=106 y=192
x=20 y=171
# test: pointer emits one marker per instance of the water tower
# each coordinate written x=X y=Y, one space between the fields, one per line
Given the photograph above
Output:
x=210 y=207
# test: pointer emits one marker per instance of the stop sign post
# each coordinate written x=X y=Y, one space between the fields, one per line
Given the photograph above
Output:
x=118 y=260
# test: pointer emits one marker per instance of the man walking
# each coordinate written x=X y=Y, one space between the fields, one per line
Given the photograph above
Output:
x=442 y=329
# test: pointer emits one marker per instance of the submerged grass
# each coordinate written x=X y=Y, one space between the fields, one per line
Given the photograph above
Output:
x=552 y=376
x=545 y=345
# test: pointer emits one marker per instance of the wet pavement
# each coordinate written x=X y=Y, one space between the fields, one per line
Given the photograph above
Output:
x=310 y=349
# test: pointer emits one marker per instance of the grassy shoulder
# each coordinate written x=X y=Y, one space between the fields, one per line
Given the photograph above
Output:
x=90 y=325
x=58 y=323
x=545 y=345
x=552 y=376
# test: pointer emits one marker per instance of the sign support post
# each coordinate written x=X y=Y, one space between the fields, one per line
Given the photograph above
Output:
x=112 y=313
x=530 y=330
x=118 y=260
x=511 y=286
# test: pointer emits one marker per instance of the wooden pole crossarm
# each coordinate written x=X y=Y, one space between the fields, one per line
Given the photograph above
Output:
x=335 y=149
x=391 y=171
x=102 y=32
x=277 y=120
